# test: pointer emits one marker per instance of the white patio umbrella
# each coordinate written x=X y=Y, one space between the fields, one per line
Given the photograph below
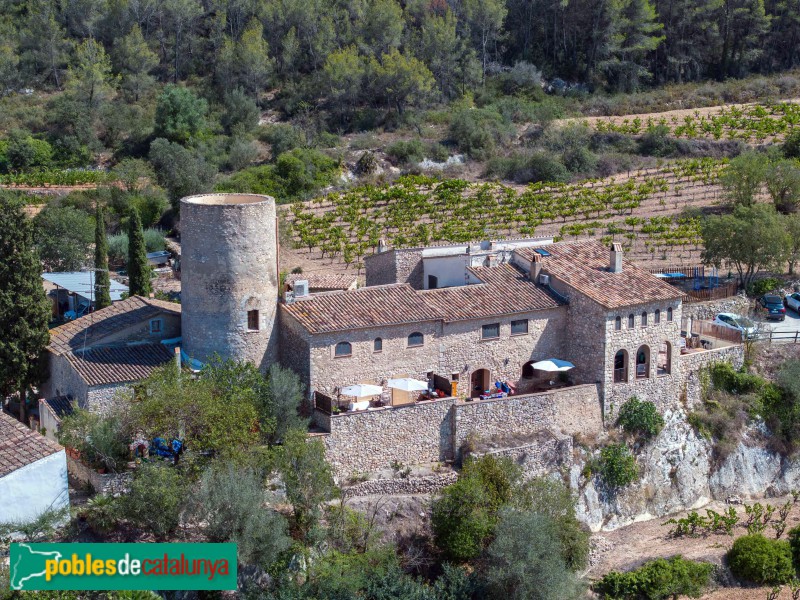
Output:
x=553 y=364
x=361 y=390
x=408 y=385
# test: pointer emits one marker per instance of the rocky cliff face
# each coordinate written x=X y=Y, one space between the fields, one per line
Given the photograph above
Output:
x=678 y=473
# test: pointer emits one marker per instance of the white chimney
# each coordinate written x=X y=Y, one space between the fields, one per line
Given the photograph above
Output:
x=615 y=265
x=382 y=246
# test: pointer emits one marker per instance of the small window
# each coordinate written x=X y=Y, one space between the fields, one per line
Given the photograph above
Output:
x=433 y=282
x=491 y=331
x=644 y=319
x=669 y=314
x=631 y=322
x=343 y=349
x=252 y=320
x=643 y=362
x=377 y=345
x=519 y=327
x=618 y=324
x=155 y=326
x=416 y=339
x=657 y=317
x=621 y=367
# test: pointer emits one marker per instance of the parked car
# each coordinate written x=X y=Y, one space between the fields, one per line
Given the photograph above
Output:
x=737 y=322
x=793 y=302
x=771 y=306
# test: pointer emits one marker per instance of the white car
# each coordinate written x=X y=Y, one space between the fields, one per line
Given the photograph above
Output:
x=793 y=302
x=737 y=322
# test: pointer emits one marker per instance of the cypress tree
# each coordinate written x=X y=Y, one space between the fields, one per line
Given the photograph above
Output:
x=138 y=268
x=24 y=308
x=102 y=283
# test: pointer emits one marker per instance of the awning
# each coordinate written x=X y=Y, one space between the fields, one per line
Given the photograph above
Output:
x=408 y=385
x=361 y=390
x=82 y=283
x=553 y=364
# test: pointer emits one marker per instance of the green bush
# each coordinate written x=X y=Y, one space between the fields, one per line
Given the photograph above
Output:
x=406 y=151
x=658 y=141
x=101 y=441
x=760 y=560
x=617 y=466
x=640 y=418
x=479 y=131
x=763 y=286
x=118 y=249
x=726 y=378
x=282 y=137
x=658 y=579
x=794 y=545
x=791 y=145
x=156 y=499
x=528 y=168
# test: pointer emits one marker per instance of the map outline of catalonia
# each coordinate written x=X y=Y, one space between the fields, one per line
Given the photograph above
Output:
x=17 y=584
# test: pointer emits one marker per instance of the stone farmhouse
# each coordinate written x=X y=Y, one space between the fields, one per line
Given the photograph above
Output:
x=460 y=317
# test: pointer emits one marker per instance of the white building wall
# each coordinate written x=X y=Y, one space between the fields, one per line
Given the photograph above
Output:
x=40 y=486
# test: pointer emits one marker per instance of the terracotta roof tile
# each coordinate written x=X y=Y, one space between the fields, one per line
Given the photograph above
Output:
x=327 y=281
x=105 y=321
x=60 y=406
x=505 y=290
x=584 y=266
x=20 y=446
x=120 y=364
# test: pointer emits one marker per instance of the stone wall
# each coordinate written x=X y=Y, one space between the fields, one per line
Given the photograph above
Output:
x=707 y=311
x=64 y=381
x=111 y=484
x=395 y=266
x=693 y=362
x=428 y=484
x=371 y=440
x=294 y=347
x=434 y=432
x=380 y=269
x=101 y=397
x=549 y=454
x=570 y=411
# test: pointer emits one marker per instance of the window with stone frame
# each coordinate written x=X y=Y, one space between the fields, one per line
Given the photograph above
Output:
x=519 y=327
x=644 y=319
x=663 y=365
x=377 y=345
x=343 y=349
x=643 y=362
x=156 y=325
x=618 y=324
x=657 y=316
x=253 y=320
x=416 y=339
x=631 y=321
x=669 y=314
x=621 y=366
x=490 y=331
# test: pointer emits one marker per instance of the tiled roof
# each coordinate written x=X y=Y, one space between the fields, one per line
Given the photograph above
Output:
x=584 y=267
x=105 y=321
x=20 y=446
x=326 y=281
x=505 y=290
x=60 y=406
x=120 y=364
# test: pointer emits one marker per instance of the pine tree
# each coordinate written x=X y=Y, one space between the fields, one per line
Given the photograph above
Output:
x=24 y=308
x=102 y=283
x=138 y=268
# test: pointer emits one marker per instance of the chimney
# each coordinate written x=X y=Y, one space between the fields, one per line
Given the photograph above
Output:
x=178 y=359
x=382 y=246
x=615 y=265
x=536 y=266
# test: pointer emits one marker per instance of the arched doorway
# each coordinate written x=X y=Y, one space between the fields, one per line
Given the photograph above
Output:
x=643 y=362
x=621 y=367
x=479 y=382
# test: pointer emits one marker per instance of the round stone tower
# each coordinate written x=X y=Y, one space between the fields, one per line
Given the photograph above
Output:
x=229 y=277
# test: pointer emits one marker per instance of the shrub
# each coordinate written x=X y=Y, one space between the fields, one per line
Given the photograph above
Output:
x=763 y=286
x=155 y=500
x=656 y=580
x=794 y=545
x=791 y=145
x=657 y=141
x=760 y=560
x=721 y=419
x=118 y=249
x=617 y=466
x=726 y=378
x=640 y=418
x=527 y=168
x=282 y=137
x=406 y=151
x=478 y=131
x=101 y=441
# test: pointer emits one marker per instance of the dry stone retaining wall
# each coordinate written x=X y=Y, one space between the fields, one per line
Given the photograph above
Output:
x=392 y=487
x=539 y=458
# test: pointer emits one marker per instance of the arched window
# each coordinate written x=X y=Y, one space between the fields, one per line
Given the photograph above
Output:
x=663 y=365
x=377 y=345
x=621 y=367
x=669 y=314
x=644 y=319
x=643 y=362
x=657 y=317
x=631 y=322
x=617 y=323
x=416 y=339
x=343 y=349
